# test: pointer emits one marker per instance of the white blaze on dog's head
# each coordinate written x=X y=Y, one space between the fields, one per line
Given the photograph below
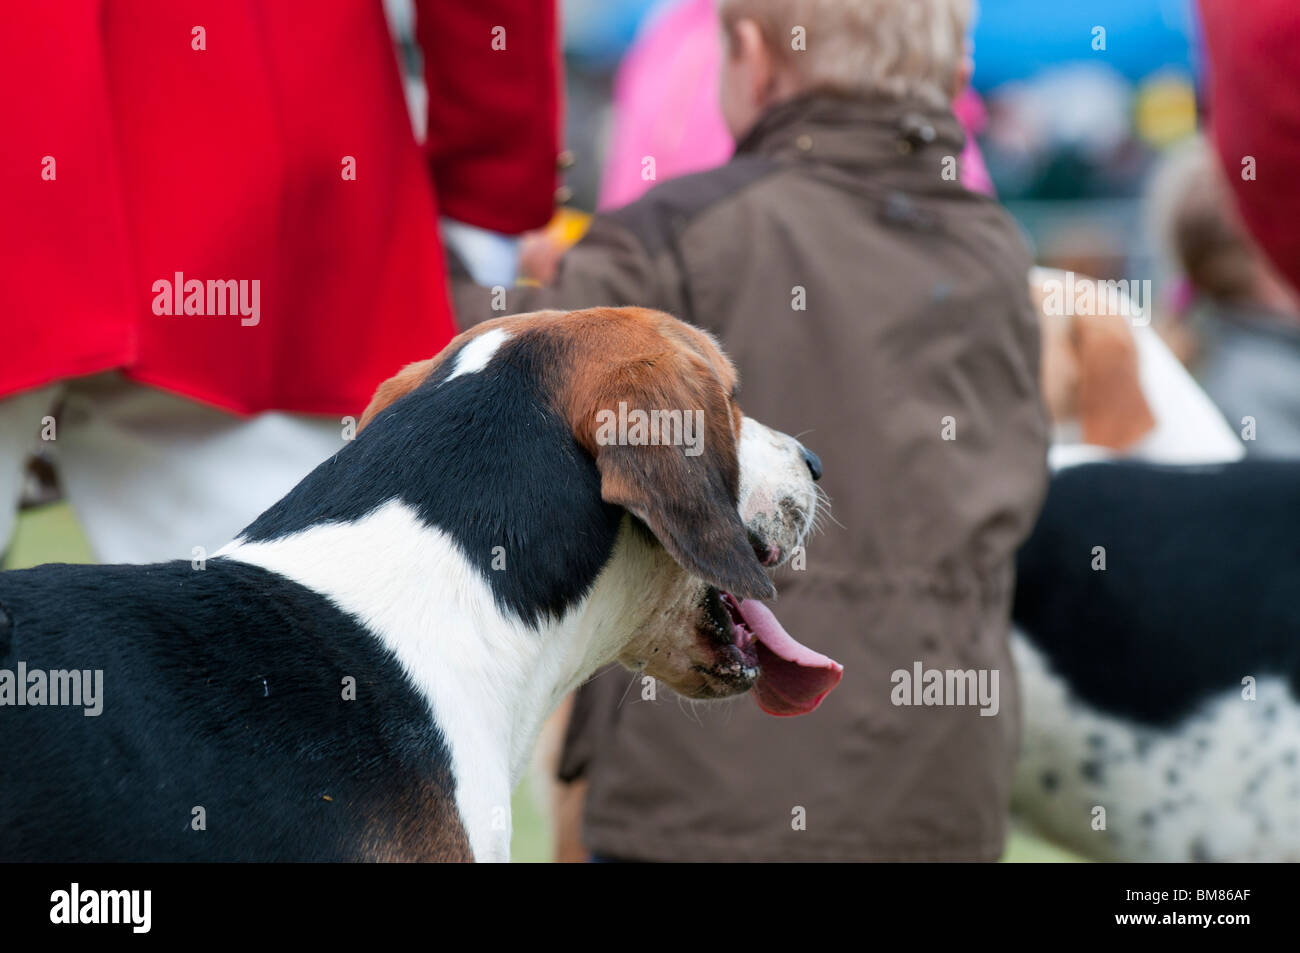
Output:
x=475 y=355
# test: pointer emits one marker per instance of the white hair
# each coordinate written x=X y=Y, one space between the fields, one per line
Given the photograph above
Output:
x=897 y=48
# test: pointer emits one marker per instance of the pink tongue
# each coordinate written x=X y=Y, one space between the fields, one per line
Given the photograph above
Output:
x=792 y=679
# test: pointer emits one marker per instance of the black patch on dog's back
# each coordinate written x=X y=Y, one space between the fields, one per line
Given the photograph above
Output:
x=487 y=459
x=223 y=689
x=1202 y=568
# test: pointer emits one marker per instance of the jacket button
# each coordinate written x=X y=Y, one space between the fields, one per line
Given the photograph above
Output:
x=565 y=160
x=804 y=143
x=917 y=131
x=563 y=194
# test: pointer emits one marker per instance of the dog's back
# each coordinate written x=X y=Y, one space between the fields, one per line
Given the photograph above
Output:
x=1158 y=641
x=1197 y=588
x=236 y=709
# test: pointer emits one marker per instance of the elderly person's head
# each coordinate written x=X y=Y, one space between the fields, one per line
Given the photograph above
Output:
x=902 y=49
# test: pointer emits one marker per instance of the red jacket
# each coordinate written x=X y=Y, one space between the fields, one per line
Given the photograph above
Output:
x=129 y=156
x=1254 y=52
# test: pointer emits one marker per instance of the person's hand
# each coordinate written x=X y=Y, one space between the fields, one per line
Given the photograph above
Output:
x=539 y=255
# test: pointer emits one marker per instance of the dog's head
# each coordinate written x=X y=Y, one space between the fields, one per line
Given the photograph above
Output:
x=713 y=497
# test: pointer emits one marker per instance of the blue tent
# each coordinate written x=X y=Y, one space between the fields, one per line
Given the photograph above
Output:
x=1014 y=39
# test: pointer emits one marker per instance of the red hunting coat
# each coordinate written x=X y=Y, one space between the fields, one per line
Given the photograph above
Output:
x=142 y=138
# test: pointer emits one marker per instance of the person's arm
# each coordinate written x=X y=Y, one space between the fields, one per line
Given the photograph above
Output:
x=610 y=267
x=492 y=72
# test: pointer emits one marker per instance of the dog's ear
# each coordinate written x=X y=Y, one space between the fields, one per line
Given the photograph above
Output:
x=1112 y=409
x=684 y=493
x=1090 y=366
x=395 y=388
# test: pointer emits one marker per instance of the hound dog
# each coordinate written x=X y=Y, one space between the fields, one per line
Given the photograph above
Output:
x=1160 y=662
x=362 y=672
x=1156 y=652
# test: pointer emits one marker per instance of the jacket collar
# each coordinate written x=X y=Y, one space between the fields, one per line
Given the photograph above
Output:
x=856 y=131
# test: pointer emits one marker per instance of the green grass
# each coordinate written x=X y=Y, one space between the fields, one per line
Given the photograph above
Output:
x=530 y=840
x=47 y=534
x=1025 y=848
x=51 y=534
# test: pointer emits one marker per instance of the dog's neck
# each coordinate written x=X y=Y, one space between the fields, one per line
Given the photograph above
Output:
x=490 y=677
x=479 y=551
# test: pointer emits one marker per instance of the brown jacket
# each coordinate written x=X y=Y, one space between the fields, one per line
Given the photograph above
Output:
x=866 y=298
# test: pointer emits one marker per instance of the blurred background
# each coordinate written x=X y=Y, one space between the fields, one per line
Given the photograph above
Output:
x=1070 y=134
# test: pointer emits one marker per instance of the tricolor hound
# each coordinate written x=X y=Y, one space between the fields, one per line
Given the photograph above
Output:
x=1157 y=634
x=1159 y=651
x=361 y=674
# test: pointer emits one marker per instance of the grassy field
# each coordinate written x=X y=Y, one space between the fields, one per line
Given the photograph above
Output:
x=51 y=534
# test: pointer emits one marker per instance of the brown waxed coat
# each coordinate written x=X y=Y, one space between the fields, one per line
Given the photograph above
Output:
x=865 y=298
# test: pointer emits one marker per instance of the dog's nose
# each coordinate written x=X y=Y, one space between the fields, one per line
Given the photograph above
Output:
x=814 y=462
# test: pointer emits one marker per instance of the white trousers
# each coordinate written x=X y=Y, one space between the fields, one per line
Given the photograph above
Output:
x=150 y=474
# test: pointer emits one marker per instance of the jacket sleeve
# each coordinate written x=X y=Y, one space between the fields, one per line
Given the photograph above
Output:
x=595 y=707
x=492 y=71
x=610 y=267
